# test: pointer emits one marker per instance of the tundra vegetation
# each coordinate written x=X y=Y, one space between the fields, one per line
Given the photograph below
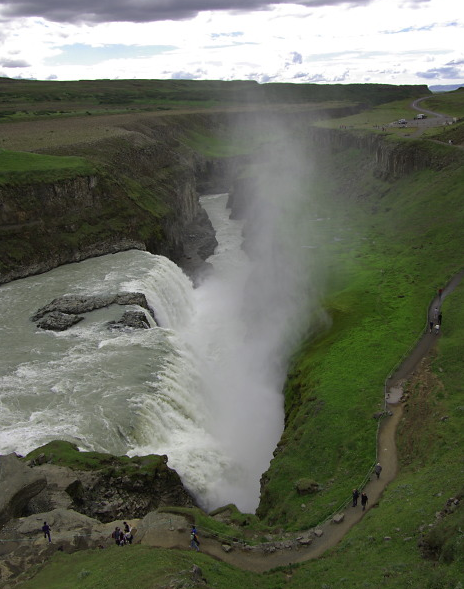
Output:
x=389 y=243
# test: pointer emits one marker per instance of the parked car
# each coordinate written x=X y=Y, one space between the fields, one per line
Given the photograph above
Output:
x=421 y=116
x=402 y=122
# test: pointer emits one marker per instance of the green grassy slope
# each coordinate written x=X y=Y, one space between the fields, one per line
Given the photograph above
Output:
x=32 y=99
x=386 y=246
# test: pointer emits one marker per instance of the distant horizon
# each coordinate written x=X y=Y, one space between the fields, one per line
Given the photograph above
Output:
x=434 y=88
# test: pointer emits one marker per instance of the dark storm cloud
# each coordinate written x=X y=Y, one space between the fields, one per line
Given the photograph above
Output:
x=91 y=11
x=13 y=63
x=446 y=72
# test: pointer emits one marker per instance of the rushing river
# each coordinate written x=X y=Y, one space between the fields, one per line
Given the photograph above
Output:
x=200 y=387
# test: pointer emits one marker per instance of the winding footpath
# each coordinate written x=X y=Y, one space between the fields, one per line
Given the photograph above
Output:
x=260 y=559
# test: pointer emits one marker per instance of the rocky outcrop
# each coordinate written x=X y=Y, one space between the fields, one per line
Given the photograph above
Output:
x=103 y=486
x=391 y=159
x=64 y=312
x=19 y=484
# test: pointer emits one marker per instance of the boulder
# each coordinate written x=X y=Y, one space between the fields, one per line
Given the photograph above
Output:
x=19 y=484
x=57 y=321
x=63 y=312
x=132 y=319
x=338 y=518
x=66 y=525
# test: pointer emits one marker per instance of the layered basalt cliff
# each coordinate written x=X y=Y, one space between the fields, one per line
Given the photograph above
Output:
x=143 y=195
x=391 y=158
x=144 y=191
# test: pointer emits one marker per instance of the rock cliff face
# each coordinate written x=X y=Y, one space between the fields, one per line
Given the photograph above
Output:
x=143 y=195
x=392 y=159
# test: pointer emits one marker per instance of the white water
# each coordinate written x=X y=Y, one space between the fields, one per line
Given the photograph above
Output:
x=195 y=389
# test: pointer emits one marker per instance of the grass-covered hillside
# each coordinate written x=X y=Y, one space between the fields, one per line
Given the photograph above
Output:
x=379 y=246
x=31 y=99
x=396 y=243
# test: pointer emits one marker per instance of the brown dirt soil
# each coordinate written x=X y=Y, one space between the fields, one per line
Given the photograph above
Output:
x=41 y=135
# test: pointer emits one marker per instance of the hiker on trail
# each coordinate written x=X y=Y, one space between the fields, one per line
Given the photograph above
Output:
x=440 y=315
x=118 y=536
x=430 y=326
x=127 y=533
x=46 y=531
x=355 y=497
x=435 y=313
x=440 y=292
x=194 y=542
x=437 y=329
x=364 y=500
x=378 y=469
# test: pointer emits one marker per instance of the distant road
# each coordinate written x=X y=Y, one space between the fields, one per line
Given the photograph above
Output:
x=415 y=106
x=434 y=119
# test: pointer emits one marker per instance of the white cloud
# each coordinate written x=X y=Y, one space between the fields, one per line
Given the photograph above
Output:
x=378 y=41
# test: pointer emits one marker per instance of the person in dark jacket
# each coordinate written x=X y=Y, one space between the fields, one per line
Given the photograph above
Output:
x=364 y=500
x=355 y=497
x=46 y=531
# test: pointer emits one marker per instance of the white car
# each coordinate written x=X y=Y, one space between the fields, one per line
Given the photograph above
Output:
x=402 y=122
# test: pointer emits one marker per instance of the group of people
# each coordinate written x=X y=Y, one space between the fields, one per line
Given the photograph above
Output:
x=435 y=316
x=122 y=536
x=435 y=321
x=364 y=498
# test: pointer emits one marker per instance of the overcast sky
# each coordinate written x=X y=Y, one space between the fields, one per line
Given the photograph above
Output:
x=325 y=41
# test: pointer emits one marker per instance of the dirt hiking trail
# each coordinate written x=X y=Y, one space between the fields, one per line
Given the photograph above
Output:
x=262 y=558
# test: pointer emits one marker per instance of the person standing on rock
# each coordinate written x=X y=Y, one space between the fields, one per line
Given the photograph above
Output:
x=116 y=535
x=127 y=533
x=355 y=497
x=364 y=500
x=378 y=469
x=46 y=531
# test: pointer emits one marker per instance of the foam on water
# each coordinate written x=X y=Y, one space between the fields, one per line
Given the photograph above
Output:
x=203 y=387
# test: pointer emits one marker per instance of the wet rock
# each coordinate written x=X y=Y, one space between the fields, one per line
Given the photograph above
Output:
x=19 y=484
x=57 y=321
x=131 y=319
x=76 y=304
